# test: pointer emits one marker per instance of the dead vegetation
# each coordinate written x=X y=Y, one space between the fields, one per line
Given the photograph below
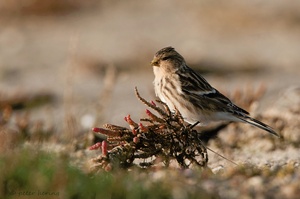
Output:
x=162 y=139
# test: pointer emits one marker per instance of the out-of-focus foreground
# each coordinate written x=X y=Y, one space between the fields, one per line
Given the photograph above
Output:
x=67 y=66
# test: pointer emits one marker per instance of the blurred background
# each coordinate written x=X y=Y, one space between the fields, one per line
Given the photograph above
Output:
x=77 y=62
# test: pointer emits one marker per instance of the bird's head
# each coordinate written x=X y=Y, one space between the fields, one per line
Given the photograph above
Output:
x=168 y=59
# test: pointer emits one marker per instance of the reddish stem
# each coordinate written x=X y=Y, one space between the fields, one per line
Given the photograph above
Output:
x=104 y=148
x=106 y=132
x=95 y=146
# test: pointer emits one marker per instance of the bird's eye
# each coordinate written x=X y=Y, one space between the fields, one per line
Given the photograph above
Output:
x=166 y=58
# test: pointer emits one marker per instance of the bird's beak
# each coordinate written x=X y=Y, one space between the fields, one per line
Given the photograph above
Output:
x=154 y=62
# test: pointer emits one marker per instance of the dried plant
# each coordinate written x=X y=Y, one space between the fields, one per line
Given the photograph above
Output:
x=162 y=139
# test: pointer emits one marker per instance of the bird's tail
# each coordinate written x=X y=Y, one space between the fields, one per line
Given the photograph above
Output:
x=258 y=124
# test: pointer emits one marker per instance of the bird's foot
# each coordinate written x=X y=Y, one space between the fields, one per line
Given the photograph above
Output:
x=191 y=126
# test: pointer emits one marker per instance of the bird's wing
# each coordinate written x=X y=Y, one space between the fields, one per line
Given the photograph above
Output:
x=191 y=81
x=202 y=94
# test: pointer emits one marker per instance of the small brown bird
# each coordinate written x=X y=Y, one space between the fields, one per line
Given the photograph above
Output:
x=179 y=86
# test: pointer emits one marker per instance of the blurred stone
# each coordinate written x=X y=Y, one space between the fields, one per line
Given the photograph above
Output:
x=218 y=170
x=255 y=181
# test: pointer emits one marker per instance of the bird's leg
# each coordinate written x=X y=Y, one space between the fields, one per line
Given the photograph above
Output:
x=191 y=126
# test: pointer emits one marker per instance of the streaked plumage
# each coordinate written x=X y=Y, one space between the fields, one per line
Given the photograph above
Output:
x=179 y=86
